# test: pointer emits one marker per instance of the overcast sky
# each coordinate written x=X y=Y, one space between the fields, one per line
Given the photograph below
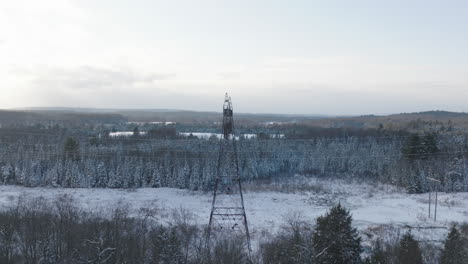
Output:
x=305 y=57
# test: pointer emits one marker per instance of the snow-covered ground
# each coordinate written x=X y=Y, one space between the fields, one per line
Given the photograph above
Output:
x=153 y=123
x=200 y=135
x=208 y=135
x=124 y=134
x=375 y=208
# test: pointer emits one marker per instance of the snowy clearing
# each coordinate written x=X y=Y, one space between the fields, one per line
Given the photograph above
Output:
x=124 y=134
x=374 y=207
x=208 y=135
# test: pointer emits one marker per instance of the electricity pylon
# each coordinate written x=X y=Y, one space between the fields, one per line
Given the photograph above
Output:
x=228 y=217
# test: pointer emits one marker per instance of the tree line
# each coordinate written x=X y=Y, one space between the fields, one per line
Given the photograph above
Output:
x=63 y=158
x=57 y=231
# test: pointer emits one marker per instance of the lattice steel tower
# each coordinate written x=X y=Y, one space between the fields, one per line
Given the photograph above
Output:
x=228 y=217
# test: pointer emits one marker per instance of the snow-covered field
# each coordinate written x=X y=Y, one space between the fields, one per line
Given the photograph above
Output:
x=153 y=123
x=199 y=135
x=374 y=207
x=208 y=135
x=124 y=134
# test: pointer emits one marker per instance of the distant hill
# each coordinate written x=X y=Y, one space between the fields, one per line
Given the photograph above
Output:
x=179 y=116
x=437 y=113
x=417 y=121
x=428 y=120
x=8 y=117
x=90 y=110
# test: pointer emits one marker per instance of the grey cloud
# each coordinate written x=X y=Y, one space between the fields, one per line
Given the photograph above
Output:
x=109 y=88
x=97 y=87
x=93 y=78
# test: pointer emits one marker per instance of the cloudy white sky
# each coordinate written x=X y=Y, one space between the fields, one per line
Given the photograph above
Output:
x=306 y=57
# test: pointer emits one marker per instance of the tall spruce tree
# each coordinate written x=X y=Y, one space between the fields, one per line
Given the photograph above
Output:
x=412 y=147
x=417 y=147
x=409 y=251
x=454 y=248
x=71 y=149
x=377 y=255
x=335 y=241
x=429 y=142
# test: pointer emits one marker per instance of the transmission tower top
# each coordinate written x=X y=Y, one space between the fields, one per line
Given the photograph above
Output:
x=228 y=122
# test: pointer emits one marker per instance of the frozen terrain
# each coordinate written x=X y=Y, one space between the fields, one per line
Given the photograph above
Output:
x=208 y=135
x=375 y=208
x=124 y=134
x=186 y=134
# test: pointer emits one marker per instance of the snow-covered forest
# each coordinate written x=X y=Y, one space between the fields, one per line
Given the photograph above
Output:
x=233 y=132
x=61 y=157
x=350 y=177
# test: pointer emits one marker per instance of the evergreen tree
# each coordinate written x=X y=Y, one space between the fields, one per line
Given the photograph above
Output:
x=136 y=132
x=7 y=174
x=412 y=147
x=167 y=170
x=195 y=176
x=454 y=249
x=453 y=178
x=173 y=251
x=90 y=174
x=155 y=180
x=115 y=179
x=409 y=251
x=429 y=143
x=52 y=176
x=420 y=148
x=138 y=173
x=208 y=177
x=417 y=182
x=78 y=179
x=101 y=175
x=127 y=171
x=68 y=174
x=335 y=240
x=71 y=149
x=377 y=255
x=35 y=178
x=183 y=175
x=165 y=246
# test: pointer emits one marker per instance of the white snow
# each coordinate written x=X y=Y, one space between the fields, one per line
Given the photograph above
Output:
x=208 y=135
x=371 y=206
x=153 y=123
x=124 y=134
